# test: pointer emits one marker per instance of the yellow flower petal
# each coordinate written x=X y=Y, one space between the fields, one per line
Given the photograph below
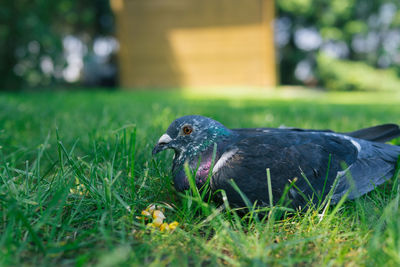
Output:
x=151 y=208
x=158 y=221
x=158 y=214
x=173 y=225
x=164 y=227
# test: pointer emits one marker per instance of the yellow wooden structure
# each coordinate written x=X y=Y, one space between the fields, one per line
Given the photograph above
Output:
x=195 y=43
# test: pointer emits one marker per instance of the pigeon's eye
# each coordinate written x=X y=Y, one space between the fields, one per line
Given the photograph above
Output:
x=187 y=130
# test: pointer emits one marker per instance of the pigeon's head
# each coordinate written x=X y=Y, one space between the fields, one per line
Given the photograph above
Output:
x=190 y=135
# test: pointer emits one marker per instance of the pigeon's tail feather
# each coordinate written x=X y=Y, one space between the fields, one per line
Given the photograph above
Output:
x=368 y=172
x=380 y=133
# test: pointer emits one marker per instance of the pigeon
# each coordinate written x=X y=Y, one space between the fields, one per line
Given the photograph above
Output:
x=304 y=164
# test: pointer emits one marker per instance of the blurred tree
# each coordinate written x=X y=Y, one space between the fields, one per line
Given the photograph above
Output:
x=350 y=29
x=31 y=36
x=32 y=52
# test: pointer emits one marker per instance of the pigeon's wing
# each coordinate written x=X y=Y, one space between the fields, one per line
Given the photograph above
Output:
x=376 y=163
x=380 y=133
x=315 y=160
x=282 y=129
x=289 y=156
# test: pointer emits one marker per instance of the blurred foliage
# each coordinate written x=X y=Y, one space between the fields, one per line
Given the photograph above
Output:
x=360 y=30
x=32 y=54
x=345 y=75
x=31 y=33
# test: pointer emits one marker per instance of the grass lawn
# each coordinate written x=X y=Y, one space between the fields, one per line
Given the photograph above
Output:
x=76 y=169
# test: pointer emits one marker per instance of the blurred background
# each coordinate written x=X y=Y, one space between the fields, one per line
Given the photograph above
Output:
x=331 y=45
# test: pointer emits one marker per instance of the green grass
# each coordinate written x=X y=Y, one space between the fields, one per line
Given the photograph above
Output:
x=103 y=140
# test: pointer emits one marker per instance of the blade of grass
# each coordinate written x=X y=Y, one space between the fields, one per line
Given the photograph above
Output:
x=271 y=201
x=132 y=155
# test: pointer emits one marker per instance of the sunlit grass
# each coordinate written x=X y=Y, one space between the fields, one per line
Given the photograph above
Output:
x=293 y=93
x=74 y=198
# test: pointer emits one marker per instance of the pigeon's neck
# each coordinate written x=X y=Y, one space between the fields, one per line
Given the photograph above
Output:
x=183 y=156
x=200 y=166
x=205 y=148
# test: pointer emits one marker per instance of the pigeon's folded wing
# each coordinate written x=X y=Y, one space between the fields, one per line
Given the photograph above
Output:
x=315 y=160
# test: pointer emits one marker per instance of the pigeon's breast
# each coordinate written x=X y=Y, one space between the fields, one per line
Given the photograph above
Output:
x=200 y=166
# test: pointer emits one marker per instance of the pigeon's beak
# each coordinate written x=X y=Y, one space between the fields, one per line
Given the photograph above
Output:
x=162 y=144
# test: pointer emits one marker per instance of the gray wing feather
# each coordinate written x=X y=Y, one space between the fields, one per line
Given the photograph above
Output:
x=375 y=165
